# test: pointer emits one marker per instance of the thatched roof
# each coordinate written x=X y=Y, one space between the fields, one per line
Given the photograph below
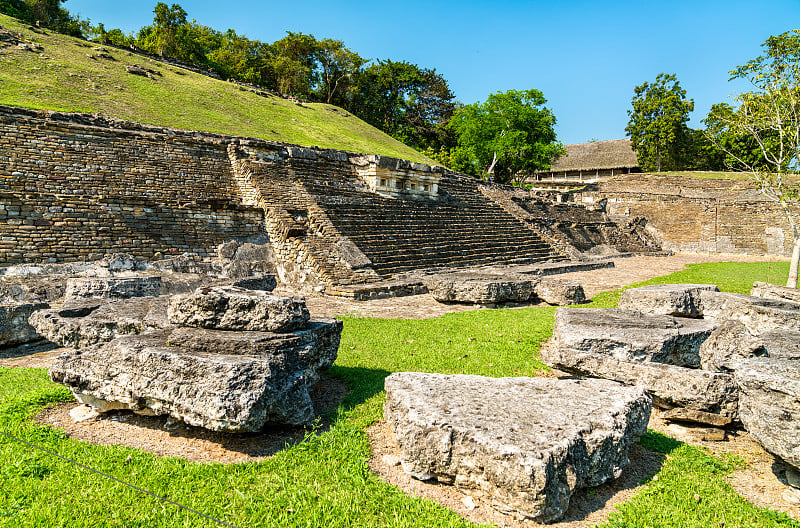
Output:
x=613 y=154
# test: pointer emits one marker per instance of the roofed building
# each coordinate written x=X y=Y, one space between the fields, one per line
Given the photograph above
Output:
x=588 y=162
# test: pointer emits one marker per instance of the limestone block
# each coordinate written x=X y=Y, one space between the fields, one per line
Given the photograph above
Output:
x=769 y=405
x=232 y=308
x=316 y=346
x=113 y=287
x=782 y=343
x=775 y=292
x=479 y=288
x=670 y=385
x=679 y=300
x=31 y=289
x=729 y=345
x=523 y=444
x=261 y=282
x=79 y=326
x=14 y=327
x=632 y=336
x=222 y=392
x=559 y=292
x=758 y=314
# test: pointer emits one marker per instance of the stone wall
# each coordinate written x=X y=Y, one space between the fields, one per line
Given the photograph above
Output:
x=73 y=187
x=697 y=215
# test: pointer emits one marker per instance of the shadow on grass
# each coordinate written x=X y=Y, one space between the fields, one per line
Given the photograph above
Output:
x=363 y=383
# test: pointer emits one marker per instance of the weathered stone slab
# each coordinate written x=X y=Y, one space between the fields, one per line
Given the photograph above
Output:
x=769 y=405
x=232 y=308
x=315 y=346
x=262 y=282
x=670 y=385
x=632 y=336
x=559 y=292
x=758 y=314
x=775 y=292
x=14 y=327
x=31 y=289
x=479 y=288
x=679 y=300
x=728 y=345
x=78 y=326
x=223 y=392
x=113 y=287
x=524 y=444
x=782 y=343
x=681 y=414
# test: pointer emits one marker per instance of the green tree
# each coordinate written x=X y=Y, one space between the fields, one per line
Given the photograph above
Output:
x=768 y=120
x=657 y=125
x=409 y=103
x=46 y=13
x=506 y=138
x=339 y=66
x=294 y=63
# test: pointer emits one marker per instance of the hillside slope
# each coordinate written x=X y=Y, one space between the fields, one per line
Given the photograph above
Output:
x=62 y=73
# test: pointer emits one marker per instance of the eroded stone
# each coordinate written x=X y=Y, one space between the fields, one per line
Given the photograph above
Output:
x=478 y=288
x=223 y=392
x=559 y=292
x=775 y=292
x=232 y=308
x=632 y=336
x=670 y=385
x=769 y=405
x=728 y=345
x=14 y=326
x=758 y=314
x=113 y=287
x=523 y=444
x=86 y=325
x=679 y=300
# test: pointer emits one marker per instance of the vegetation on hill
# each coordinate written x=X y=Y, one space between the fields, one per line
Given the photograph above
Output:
x=325 y=480
x=69 y=74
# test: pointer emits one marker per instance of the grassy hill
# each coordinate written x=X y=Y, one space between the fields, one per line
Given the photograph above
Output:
x=67 y=74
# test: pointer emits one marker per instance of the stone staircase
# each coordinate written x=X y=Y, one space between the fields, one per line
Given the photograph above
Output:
x=461 y=228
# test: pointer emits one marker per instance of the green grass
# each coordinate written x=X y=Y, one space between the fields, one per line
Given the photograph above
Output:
x=62 y=77
x=324 y=481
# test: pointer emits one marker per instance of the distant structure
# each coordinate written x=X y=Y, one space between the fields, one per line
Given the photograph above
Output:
x=587 y=163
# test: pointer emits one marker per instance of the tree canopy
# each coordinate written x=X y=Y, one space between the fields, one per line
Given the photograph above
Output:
x=767 y=122
x=657 y=125
x=507 y=137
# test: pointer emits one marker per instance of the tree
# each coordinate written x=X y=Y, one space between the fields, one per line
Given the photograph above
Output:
x=769 y=119
x=339 y=67
x=294 y=63
x=508 y=137
x=409 y=103
x=657 y=125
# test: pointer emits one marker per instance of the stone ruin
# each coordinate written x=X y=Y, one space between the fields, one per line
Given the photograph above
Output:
x=706 y=356
x=524 y=445
x=227 y=359
x=203 y=341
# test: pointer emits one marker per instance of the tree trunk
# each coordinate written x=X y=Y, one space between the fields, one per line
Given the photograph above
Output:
x=792 y=282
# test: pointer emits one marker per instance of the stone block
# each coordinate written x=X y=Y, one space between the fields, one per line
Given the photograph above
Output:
x=758 y=314
x=14 y=327
x=679 y=300
x=83 y=325
x=223 y=392
x=632 y=336
x=524 y=444
x=113 y=287
x=232 y=308
x=782 y=343
x=559 y=292
x=769 y=405
x=670 y=385
x=775 y=292
x=479 y=288
x=728 y=345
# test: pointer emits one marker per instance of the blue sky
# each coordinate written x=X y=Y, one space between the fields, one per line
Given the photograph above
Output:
x=586 y=57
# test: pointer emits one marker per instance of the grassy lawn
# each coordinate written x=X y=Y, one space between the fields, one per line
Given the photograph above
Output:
x=67 y=75
x=324 y=481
